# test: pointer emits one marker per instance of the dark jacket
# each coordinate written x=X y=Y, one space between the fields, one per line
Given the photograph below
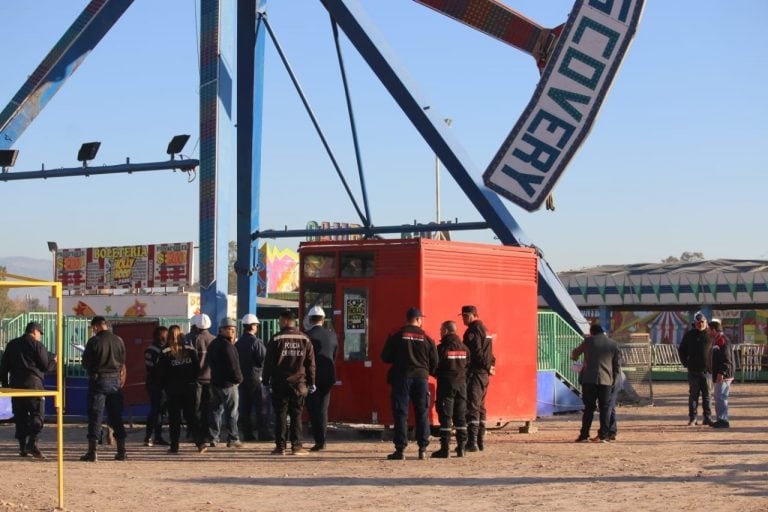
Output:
x=602 y=360
x=179 y=370
x=722 y=357
x=325 y=346
x=202 y=341
x=290 y=359
x=224 y=363
x=411 y=352
x=27 y=361
x=694 y=351
x=251 y=351
x=480 y=348
x=152 y=356
x=453 y=358
x=104 y=355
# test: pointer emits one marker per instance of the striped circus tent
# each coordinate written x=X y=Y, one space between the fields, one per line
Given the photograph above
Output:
x=668 y=327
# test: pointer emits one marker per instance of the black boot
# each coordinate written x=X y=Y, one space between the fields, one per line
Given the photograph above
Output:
x=481 y=436
x=33 y=450
x=121 y=455
x=461 y=441
x=23 y=448
x=443 y=452
x=90 y=455
x=471 y=438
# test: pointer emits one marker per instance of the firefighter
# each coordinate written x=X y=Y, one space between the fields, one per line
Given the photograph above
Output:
x=451 y=405
x=481 y=367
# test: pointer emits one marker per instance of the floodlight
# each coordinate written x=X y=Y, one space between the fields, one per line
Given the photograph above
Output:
x=88 y=152
x=176 y=145
x=8 y=158
x=53 y=246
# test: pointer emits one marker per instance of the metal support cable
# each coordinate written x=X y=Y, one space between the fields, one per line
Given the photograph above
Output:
x=312 y=117
x=352 y=124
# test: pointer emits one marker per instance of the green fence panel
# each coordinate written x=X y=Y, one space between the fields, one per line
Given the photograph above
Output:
x=556 y=340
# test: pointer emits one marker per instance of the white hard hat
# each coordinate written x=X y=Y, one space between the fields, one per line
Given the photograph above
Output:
x=316 y=311
x=249 y=319
x=202 y=321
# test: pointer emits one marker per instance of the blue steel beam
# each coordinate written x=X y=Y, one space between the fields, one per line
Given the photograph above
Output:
x=349 y=15
x=217 y=151
x=67 y=172
x=250 y=71
x=69 y=52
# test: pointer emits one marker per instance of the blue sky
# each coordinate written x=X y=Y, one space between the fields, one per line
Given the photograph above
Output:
x=672 y=164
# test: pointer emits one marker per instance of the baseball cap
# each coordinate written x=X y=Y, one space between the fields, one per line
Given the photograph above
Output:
x=413 y=313
x=227 y=322
x=250 y=319
x=316 y=311
x=468 y=310
x=699 y=316
x=32 y=327
x=202 y=321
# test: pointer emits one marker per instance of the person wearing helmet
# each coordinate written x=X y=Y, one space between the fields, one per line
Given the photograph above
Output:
x=251 y=351
x=202 y=323
x=325 y=345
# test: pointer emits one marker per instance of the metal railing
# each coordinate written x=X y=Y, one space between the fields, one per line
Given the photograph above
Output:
x=556 y=340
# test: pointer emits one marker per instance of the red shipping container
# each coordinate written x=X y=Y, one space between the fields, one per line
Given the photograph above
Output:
x=366 y=286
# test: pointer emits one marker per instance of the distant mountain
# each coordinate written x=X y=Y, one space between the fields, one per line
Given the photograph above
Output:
x=29 y=267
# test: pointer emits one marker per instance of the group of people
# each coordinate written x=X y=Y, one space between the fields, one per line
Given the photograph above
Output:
x=462 y=367
x=704 y=351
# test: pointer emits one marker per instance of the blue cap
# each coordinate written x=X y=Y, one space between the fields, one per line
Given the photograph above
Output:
x=413 y=313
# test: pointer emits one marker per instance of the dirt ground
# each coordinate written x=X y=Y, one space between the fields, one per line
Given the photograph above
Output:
x=658 y=463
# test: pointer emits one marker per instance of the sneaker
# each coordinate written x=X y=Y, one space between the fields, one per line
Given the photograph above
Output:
x=693 y=422
x=147 y=442
x=278 y=451
x=317 y=448
x=611 y=437
x=717 y=424
x=582 y=439
x=598 y=439
x=236 y=443
x=422 y=453
x=298 y=450
x=396 y=455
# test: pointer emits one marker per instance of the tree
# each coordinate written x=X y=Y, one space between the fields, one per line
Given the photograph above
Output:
x=8 y=307
x=231 y=274
x=686 y=257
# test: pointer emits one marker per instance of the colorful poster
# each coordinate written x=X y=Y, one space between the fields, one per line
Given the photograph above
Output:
x=355 y=311
x=124 y=267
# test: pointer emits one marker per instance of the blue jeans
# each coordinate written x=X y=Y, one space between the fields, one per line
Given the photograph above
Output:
x=105 y=391
x=414 y=390
x=722 y=390
x=224 y=403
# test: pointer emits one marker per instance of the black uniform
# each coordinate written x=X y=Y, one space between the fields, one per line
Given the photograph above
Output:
x=325 y=345
x=289 y=368
x=104 y=359
x=453 y=358
x=481 y=360
x=251 y=351
x=154 y=384
x=694 y=352
x=23 y=366
x=413 y=356
x=179 y=374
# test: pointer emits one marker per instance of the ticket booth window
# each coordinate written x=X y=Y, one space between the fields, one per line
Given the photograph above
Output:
x=319 y=294
x=320 y=266
x=355 y=324
x=357 y=265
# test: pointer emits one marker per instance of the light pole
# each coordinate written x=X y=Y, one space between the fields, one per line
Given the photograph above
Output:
x=53 y=247
x=448 y=121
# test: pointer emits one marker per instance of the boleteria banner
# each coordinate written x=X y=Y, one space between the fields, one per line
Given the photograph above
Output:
x=131 y=266
x=574 y=84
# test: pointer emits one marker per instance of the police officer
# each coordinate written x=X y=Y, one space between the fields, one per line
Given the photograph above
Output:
x=155 y=385
x=413 y=357
x=26 y=360
x=325 y=345
x=451 y=405
x=481 y=365
x=289 y=369
x=251 y=351
x=104 y=360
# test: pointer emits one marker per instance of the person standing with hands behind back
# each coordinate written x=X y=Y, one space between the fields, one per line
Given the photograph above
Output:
x=481 y=366
x=324 y=344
